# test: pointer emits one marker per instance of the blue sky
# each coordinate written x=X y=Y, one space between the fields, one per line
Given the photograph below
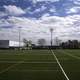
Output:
x=36 y=17
x=43 y=6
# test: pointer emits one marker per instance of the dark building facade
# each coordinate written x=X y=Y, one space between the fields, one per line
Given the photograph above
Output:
x=4 y=43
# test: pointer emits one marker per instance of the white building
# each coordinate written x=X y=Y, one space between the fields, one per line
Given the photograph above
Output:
x=8 y=44
x=15 y=44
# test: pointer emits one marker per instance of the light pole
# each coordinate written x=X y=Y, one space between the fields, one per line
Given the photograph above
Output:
x=51 y=30
x=19 y=37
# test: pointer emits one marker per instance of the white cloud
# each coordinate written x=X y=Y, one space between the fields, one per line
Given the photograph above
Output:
x=45 y=15
x=73 y=10
x=2 y=14
x=48 y=0
x=35 y=1
x=53 y=9
x=77 y=2
x=37 y=10
x=42 y=8
x=14 y=10
x=64 y=27
x=4 y=23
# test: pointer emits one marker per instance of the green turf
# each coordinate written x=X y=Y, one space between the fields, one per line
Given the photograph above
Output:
x=39 y=64
x=70 y=61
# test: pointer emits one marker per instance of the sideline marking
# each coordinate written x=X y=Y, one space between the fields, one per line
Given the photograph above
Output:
x=20 y=62
x=35 y=70
x=68 y=53
x=11 y=67
x=24 y=62
x=25 y=54
x=60 y=66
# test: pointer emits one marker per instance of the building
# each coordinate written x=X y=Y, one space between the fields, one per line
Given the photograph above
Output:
x=10 y=44
x=4 y=43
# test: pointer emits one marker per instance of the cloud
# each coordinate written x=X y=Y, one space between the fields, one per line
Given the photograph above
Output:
x=4 y=23
x=64 y=27
x=73 y=10
x=77 y=2
x=48 y=0
x=52 y=10
x=35 y=1
x=43 y=8
x=2 y=14
x=13 y=10
x=45 y=15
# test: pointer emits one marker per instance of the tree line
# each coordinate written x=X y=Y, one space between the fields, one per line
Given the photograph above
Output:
x=70 y=44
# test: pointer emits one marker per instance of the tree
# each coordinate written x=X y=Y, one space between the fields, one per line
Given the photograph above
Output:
x=75 y=43
x=27 y=44
x=41 y=42
x=57 y=41
x=71 y=44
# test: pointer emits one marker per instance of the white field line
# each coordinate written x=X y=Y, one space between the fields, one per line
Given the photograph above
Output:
x=60 y=65
x=33 y=70
x=11 y=67
x=20 y=62
x=25 y=54
x=76 y=57
x=23 y=62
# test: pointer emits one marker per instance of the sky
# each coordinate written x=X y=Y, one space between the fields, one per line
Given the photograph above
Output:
x=36 y=17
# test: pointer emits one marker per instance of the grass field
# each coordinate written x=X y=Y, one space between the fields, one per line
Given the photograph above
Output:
x=39 y=65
